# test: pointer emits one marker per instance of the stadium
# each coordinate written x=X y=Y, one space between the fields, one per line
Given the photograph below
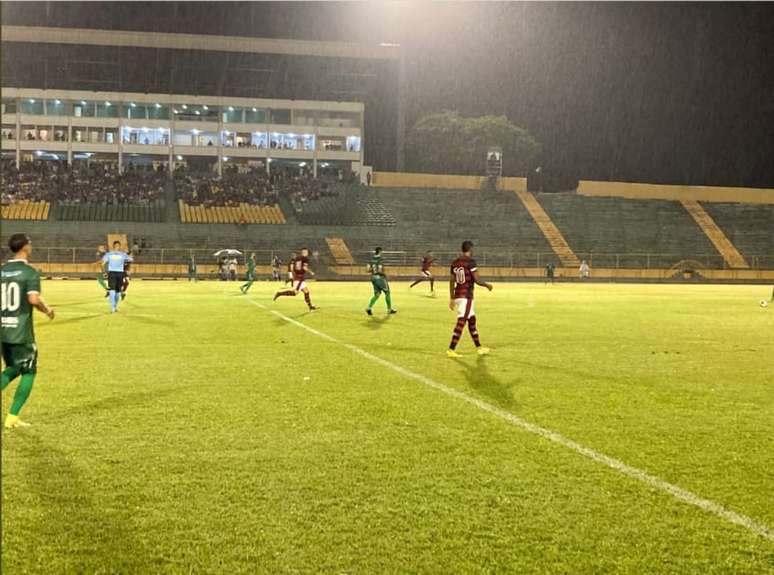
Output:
x=253 y=226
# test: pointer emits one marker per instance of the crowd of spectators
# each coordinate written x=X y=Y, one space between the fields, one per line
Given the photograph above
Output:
x=54 y=181
x=251 y=187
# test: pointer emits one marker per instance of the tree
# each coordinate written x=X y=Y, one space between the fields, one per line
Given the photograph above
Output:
x=447 y=143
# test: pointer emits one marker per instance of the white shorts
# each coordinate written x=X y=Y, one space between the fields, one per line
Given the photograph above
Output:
x=464 y=307
x=299 y=285
x=427 y=273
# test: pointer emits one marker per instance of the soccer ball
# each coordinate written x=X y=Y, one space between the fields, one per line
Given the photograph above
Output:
x=764 y=303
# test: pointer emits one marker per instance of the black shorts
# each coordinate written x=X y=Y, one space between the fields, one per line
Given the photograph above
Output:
x=22 y=356
x=115 y=281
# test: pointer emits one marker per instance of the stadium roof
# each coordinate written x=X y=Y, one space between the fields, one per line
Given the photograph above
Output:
x=204 y=42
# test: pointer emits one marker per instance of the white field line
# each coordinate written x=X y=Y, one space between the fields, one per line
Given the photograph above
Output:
x=633 y=472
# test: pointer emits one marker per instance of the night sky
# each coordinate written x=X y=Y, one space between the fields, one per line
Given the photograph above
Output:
x=652 y=92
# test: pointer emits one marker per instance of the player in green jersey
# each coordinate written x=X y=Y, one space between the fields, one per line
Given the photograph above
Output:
x=379 y=282
x=20 y=293
x=250 y=274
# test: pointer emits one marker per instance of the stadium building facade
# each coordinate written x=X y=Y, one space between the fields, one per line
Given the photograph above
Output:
x=167 y=130
x=340 y=101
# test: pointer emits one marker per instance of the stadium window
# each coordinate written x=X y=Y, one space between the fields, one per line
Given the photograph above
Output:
x=9 y=132
x=107 y=110
x=60 y=133
x=353 y=143
x=308 y=140
x=111 y=135
x=332 y=144
x=79 y=134
x=95 y=136
x=229 y=138
x=32 y=106
x=304 y=118
x=133 y=111
x=260 y=140
x=255 y=116
x=232 y=115
x=280 y=116
x=57 y=107
x=9 y=106
x=158 y=112
x=29 y=133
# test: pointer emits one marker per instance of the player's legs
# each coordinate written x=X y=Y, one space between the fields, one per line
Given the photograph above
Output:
x=377 y=293
x=417 y=281
x=307 y=298
x=248 y=284
x=115 y=280
x=387 y=297
x=21 y=359
x=124 y=287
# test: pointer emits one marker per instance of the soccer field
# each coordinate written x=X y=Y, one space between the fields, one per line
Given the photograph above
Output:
x=198 y=432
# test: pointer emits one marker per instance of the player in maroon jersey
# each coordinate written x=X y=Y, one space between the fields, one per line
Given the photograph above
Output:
x=464 y=277
x=426 y=274
x=299 y=268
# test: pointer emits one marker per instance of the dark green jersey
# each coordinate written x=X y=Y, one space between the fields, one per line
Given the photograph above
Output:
x=250 y=265
x=376 y=267
x=18 y=280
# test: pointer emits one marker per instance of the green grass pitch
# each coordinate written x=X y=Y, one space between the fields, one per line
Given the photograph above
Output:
x=194 y=432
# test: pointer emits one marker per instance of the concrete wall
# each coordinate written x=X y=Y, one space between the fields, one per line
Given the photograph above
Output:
x=442 y=181
x=676 y=193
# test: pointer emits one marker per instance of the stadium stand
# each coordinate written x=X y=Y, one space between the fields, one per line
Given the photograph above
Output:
x=623 y=232
x=729 y=252
x=750 y=227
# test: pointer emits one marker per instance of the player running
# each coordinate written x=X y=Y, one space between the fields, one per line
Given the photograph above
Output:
x=464 y=277
x=20 y=293
x=250 y=274
x=379 y=282
x=116 y=260
x=427 y=263
x=300 y=267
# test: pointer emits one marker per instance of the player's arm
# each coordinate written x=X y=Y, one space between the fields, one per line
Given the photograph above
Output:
x=452 y=284
x=481 y=282
x=307 y=270
x=36 y=301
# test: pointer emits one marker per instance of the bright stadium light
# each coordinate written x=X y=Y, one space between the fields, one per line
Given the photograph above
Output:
x=194 y=131
x=205 y=107
x=32 y=100
x=175 y=111
x=255 y=109
x=158 y=105
x=132 y=104
x=83 y=102
x=107 y=103
x=179 y=158
x=185 y=107
x=57 y=102
x=301 y=164
x=38 y=153
x=225 y=159
x=198 y=113
x=231 y=108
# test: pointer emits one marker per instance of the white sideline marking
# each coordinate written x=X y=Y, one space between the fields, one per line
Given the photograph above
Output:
x=633 y=472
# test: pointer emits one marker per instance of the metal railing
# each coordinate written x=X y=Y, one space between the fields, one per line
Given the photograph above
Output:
x=485 y=257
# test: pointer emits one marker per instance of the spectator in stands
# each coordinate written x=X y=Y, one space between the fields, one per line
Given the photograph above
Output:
x=232 y=269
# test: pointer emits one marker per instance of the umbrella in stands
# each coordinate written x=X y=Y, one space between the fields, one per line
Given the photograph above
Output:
x=227 y=253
